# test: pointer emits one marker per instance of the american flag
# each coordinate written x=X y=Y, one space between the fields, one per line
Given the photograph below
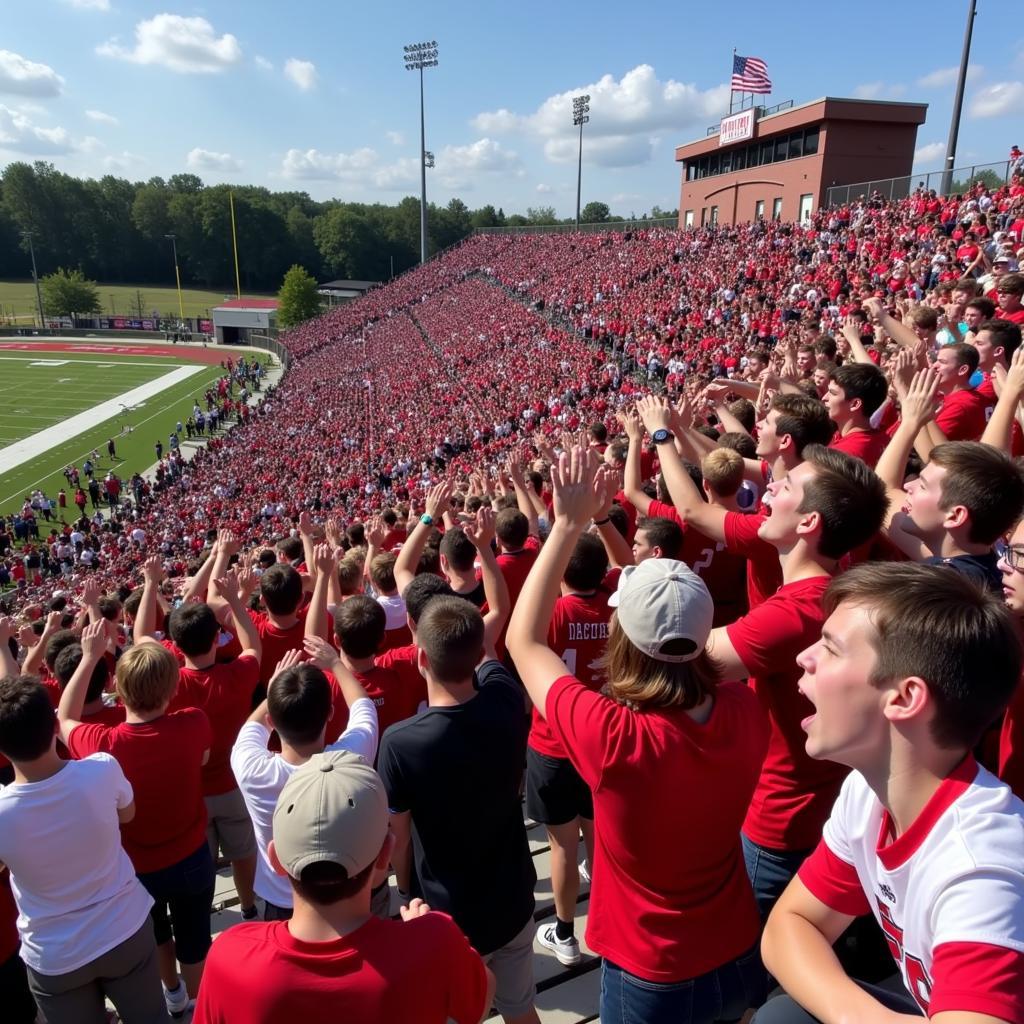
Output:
x=750 y=74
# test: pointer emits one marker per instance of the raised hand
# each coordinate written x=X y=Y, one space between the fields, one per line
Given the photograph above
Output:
x=439 y=499
x=153 y=569
x=227 y=543
x=375 y=531
x=917 y=406
x=631 y=424
x=94 y=640
x=320 y=652
x=90 y=592
x=874 y=308
x=579 y=494
x=306 y=525
x=1015 y=374
x=655 y=412
x=323 y=558
x=289 y=660
x=7 y=627
x=228 y=584
x=416 y=908
x=480 y=531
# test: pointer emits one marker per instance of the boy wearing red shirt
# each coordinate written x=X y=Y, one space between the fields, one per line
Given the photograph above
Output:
x=334 y=960
x=822 y=509
x=920 y=836
x=224 y=691
x=556 y=796
x=1010 y=290
x=161 y=755
x=854 y=394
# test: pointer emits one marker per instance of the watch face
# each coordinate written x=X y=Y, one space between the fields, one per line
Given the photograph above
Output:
x=660 y=435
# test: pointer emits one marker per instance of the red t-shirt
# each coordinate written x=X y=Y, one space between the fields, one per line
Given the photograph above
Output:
x=795 y=793
x=962 y=416
x=663 y=906
x=224 y=692
x=1016 y=317
x=764 y=572
x=515 y=566
x=422 y=970
x=395 y=695
x=277 y=642
x=403 y=661
x=866 y=445
x=161 y=759
x=578 y=634
x=1011 y=743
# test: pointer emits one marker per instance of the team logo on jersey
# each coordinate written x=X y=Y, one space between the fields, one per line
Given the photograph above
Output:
x=887 y=893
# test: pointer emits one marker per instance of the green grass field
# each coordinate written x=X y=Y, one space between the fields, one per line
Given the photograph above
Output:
x=36 y=397
x=18 y=300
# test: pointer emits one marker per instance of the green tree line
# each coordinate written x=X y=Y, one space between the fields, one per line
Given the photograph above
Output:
x=112 y=229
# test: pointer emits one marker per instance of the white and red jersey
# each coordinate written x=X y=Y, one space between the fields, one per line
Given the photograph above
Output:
x=948 y=893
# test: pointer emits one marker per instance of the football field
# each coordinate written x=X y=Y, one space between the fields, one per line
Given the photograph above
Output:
x=57 y=406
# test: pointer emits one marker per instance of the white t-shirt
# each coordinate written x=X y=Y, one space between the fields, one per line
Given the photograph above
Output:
x=948 y=893
x=394 y=610
x=74 y=885
x=261 y=776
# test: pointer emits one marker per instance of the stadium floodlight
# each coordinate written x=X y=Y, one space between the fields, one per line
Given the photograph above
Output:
x=958 y=102
x=416 y=57
x=177 y=274
x=580 y=110
x=27 y=235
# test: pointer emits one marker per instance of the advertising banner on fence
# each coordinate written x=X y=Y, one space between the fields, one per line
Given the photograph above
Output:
x=736 y=127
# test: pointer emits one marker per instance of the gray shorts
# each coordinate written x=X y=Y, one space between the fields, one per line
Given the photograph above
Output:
x=512 y=964
x=229 y=827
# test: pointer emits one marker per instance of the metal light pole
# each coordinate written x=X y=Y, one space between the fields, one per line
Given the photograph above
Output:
x=35 y=277
x=958 y=100
x=580 y=109
x=418 y=56
x=177 y=275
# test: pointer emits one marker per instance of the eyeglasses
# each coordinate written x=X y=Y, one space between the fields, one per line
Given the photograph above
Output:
x=1012 y=556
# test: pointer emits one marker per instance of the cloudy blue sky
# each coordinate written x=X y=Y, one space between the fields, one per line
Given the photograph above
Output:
x=312 y=94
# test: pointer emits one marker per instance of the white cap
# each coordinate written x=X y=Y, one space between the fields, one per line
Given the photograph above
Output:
x=662 y=600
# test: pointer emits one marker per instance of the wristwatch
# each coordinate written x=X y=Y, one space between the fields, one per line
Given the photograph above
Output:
x=426 y=519
x=662 y=435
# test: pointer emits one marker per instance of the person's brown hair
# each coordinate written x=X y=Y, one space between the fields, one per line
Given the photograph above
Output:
x=932 y=622
x=382 y=572
x=966 y=355
x=350 y=573
x=738 y=442
x=986 y=481
x=323 y=882
x=451 y=634
x=281 y=589
x=359 y=625
x=803 y=418
x=1011 y=284
x=924 y=317
x=848 y=495
x=512 y=528
x=643 y=683
x=147 y=677
x=745 y=411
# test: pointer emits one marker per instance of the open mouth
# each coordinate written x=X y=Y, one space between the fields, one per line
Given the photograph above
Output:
x=805 y=723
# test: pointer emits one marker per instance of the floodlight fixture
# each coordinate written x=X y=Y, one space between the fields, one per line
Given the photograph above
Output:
x=416 y=57
x=580 y=111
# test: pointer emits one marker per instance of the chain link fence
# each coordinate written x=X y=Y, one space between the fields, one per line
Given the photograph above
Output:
x=670 y=223
x=943 y=182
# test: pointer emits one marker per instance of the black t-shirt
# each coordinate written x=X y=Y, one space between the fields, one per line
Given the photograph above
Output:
x=475 y=596
x=457 y=770
x=980 y=569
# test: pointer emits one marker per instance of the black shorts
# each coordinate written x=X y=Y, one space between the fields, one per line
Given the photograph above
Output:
x=555 y=793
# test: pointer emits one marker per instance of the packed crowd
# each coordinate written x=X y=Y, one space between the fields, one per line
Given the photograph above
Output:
x=708 y=543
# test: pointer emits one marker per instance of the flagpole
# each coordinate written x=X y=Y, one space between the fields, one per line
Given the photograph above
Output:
x=732 y=92
x=235 y=246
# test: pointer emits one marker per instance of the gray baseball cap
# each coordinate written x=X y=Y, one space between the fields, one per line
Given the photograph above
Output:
x=662 y=600
x=334 y=808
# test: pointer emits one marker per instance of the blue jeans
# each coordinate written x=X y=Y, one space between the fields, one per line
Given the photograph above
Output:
x=770 y=871
x=723 y=994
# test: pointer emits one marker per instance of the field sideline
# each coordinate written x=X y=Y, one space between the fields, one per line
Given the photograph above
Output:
x=18 y=299
x=66 y=383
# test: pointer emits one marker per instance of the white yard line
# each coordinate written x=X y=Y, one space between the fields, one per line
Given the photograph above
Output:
x=34 y=445
x=41 y=357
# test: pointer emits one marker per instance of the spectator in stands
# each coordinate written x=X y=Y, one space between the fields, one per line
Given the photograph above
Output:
x=333 y=958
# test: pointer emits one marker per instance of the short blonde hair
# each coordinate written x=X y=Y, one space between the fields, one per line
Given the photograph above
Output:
x=147 y=677
x=350 y=573
x=723 y=471
x=382 y=572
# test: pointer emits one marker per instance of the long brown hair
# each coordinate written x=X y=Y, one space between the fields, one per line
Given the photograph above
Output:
x=643 y=683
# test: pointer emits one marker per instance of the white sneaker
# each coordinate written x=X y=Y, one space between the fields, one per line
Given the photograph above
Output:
x=585 y=872
x=567 y=951
x=177 y=1000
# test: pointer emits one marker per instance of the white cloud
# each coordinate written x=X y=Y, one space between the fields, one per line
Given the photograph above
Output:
x=929 y=153
x=455 y=166
x=24 y=77
x=941 y=77
x=544 y=189
x=879 y=90
x=301 y=72
x=185 y=45
x=90 y=144
x=122 y=161
x=89 y=5
x=395 y=138
x=98 y=115
x=998 y=99
x=624 y=114
x=262 y=63
x=206 y=160
x=19 y=134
